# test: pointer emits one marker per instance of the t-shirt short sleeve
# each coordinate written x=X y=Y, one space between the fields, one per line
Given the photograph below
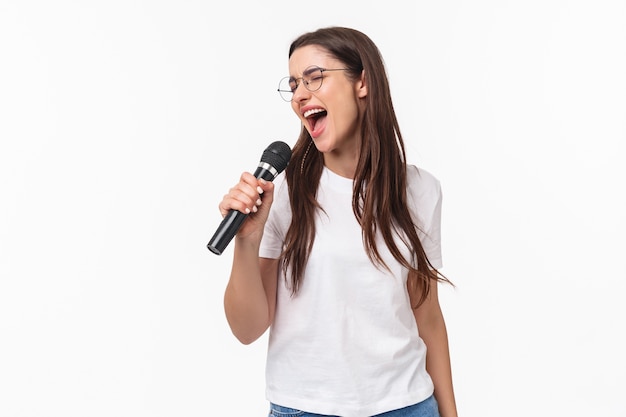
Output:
x=277 y=222
x=425 y=199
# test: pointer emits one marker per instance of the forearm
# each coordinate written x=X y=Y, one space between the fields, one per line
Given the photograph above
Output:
x=245 y=300
x=438 y=365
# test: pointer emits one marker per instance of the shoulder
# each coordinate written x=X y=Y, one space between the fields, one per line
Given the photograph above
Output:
x=421 y=184
x=280 y=185
x=278 y=220
x=281 y=193
x=424 y=199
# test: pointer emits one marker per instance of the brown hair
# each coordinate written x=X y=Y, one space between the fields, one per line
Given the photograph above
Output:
x=379 y=198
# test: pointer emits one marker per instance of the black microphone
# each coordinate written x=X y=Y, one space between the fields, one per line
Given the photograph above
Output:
x=273 y=161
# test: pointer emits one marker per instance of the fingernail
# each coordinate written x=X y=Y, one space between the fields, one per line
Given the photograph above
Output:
x=258 y=202
x=254 y=209
x=259 y=190
x=247 y=210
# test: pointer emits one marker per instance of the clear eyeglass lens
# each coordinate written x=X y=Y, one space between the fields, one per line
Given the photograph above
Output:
x=286 y=87
x=313 y=78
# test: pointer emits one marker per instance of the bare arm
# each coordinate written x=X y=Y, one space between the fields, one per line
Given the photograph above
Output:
x=432 y=329
x=250 y=295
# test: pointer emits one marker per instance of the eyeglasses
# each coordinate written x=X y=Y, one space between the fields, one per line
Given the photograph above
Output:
x=311 y=77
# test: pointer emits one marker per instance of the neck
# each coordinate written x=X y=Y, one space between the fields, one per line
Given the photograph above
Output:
x=341 y=166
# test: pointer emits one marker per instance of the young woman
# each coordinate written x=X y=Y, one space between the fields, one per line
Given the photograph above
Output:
x=339 y=257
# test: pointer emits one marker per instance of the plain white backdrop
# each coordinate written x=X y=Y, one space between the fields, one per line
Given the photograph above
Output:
x=122 y=124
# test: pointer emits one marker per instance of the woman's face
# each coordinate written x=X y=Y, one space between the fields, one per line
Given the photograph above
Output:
x=333 y=113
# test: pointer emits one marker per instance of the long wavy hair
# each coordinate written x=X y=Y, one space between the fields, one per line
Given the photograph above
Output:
x=379 y=197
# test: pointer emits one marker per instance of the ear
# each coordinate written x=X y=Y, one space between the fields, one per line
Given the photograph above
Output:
x=361 y=86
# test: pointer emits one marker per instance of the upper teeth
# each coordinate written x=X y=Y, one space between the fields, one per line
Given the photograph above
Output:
x=312 y=111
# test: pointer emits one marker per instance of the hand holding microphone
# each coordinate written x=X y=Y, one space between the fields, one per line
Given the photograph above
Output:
x=273 y=161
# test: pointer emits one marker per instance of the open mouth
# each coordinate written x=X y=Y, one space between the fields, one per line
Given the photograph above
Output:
x=313 y=116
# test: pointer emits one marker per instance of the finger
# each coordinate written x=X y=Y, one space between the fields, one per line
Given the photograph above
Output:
x=244 y=196
x=239 y=200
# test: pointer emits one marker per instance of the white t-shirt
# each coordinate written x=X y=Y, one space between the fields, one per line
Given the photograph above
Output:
x=347 y=344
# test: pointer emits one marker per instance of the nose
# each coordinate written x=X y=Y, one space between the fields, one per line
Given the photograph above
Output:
x=301 y=92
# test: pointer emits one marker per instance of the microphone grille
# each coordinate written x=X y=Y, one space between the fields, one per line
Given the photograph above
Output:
x=277 y=154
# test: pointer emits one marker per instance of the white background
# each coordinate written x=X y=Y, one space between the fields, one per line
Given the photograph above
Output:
x=122 y=124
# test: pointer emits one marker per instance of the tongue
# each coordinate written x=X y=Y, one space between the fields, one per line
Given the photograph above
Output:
x=318 y=126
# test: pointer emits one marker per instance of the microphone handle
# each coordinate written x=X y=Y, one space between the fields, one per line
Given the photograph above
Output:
x=226 y=231
x=230 y=225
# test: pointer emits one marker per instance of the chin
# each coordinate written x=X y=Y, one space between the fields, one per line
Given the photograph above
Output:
x=322 y=146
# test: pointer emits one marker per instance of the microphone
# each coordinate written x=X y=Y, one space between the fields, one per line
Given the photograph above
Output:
x=273 y=161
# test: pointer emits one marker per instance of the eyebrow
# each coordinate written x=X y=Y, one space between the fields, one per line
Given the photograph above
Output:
x=311 y=69
x=307 y=71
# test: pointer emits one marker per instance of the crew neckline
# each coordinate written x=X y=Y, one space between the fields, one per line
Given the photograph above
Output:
x=336 y=181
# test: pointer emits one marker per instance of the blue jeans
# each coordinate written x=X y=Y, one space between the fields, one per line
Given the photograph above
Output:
x=426 y=408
